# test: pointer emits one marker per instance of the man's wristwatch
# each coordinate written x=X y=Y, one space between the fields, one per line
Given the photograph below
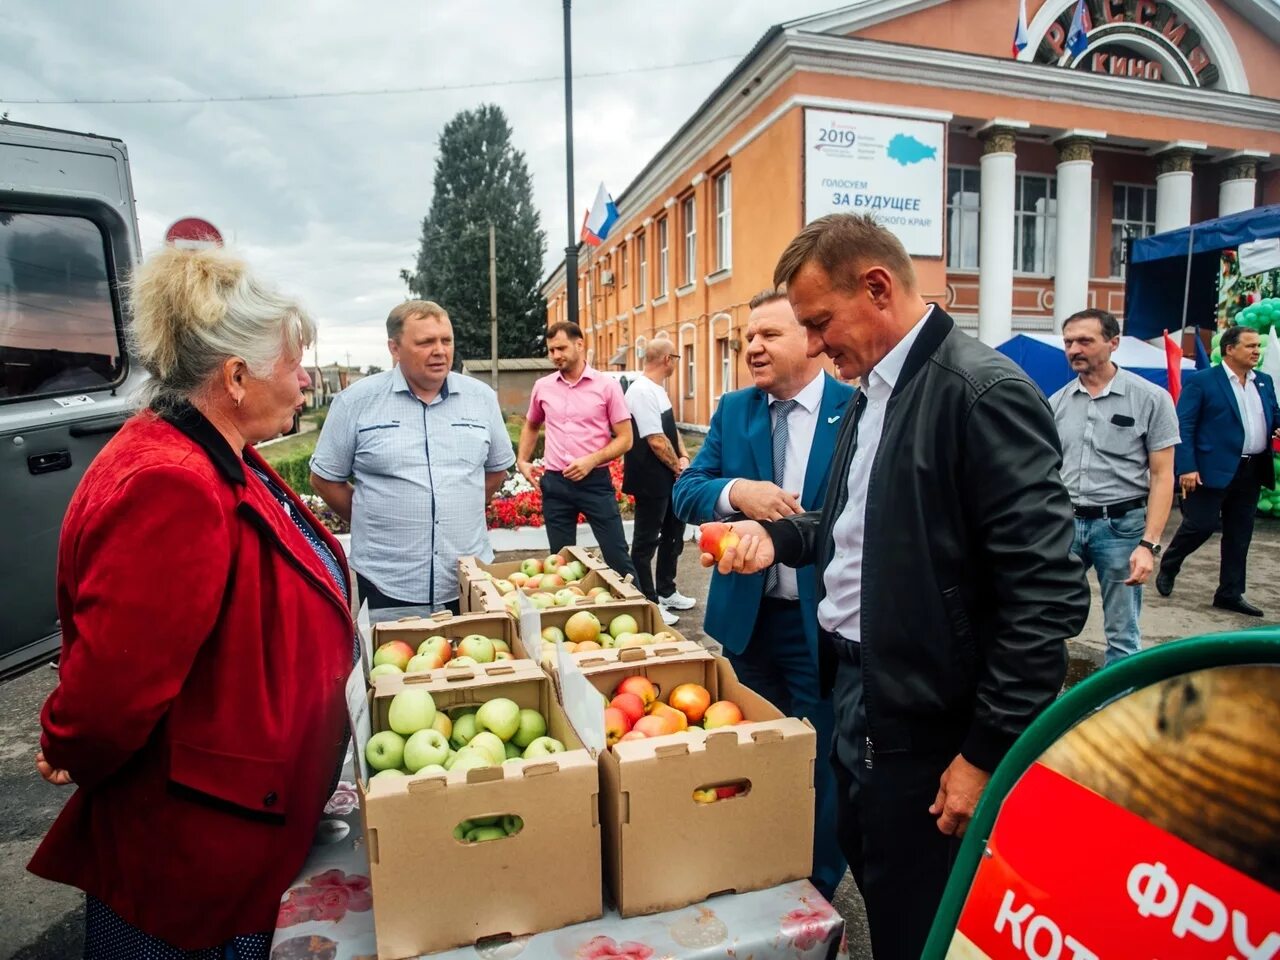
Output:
x=1155 y=548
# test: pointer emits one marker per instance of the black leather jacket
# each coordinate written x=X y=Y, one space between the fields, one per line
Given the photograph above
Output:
x=969 y=588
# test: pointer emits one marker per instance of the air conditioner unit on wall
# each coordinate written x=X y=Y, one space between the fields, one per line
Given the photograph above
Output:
x=606 y=278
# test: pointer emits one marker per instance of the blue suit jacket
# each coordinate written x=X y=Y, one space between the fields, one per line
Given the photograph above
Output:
x=1212 y=432
x=739 y=444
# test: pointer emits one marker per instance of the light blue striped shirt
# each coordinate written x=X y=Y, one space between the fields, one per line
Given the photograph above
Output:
x=419 y=471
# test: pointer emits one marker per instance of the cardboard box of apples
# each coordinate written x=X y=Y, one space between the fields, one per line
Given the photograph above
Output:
x=481 y=779
x=422 y=644
x=587 y=634
x=698 y=762
x=563 y=579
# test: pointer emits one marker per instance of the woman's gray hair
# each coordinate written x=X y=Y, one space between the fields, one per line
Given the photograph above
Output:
x=192 y=310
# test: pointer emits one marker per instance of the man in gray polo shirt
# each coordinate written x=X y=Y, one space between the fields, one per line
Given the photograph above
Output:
x=1118 y=434
x=427 y=449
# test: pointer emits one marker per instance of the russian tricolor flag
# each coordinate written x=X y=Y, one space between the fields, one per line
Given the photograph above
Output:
x=1020 y=31
x=600 y=218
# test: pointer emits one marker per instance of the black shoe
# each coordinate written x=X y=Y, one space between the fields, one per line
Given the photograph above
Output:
x=1238 y=605
x=1164 y=583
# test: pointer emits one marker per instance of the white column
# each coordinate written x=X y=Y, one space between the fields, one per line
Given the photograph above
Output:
x=1238 y=188
x=995 y=255
x=1075 y=204
x=1173 y=190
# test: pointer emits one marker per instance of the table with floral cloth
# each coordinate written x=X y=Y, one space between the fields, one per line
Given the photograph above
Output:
x=328 y=914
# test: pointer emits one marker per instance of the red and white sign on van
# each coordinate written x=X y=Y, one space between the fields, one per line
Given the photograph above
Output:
x=192 y=233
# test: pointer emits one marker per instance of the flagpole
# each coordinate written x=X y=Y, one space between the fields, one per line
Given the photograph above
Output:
x=1186 y=289
x=570 y=251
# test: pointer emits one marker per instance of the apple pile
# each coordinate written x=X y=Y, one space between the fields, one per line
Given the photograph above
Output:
x=422 y=739
x=637 y=711
x=396 y=656
x=488 y=828
x=583 y=631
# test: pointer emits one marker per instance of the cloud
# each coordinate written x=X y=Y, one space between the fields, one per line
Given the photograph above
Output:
x=326 y=196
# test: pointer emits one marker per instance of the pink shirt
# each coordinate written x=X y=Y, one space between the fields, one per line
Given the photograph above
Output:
x=578 y=415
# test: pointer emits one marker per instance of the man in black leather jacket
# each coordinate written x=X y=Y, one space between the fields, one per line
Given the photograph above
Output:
x=946 y=583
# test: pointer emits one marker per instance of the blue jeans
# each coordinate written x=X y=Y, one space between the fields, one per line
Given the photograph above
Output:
x=1105 y=545
x=779 y=665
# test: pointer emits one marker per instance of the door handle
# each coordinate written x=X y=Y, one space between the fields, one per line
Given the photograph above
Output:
x=49 y=462
x=95 y=427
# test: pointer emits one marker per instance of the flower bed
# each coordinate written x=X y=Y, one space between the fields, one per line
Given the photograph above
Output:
x=517 y=503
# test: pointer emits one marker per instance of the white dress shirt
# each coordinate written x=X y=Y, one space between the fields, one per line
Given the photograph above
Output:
x=802 y=422
x=841 y=609
x=1249 y=402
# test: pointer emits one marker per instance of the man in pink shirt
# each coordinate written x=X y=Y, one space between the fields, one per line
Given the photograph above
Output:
x=588 y=424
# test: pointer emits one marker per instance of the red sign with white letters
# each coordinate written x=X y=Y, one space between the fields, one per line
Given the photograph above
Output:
x=1072 y=875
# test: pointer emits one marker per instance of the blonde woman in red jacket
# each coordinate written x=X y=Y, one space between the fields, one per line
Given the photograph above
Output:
x=206 y=636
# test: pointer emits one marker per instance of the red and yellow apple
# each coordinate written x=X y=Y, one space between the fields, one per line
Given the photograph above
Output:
x=716 y=538
x=629 y=704
x=722 y=713
x=642 y=687
x=395 y=652
x=691 y=699
x=616 y=725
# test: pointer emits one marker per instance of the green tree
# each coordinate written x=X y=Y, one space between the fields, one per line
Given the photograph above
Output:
x=480 y=178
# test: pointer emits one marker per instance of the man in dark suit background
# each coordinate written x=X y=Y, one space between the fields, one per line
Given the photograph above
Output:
x=768 y=622
x=1227 y=416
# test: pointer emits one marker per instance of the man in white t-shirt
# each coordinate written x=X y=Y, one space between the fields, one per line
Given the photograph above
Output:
x=650 y=469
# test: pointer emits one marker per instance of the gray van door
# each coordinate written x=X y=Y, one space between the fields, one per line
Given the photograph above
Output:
x=67 y=237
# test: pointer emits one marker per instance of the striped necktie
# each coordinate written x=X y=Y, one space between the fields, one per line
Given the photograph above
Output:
x=781 y=411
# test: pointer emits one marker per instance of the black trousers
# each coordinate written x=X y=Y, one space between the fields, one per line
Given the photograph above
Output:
x=657 y=528
x=897 y=855
x=1230 y=509
x=378 y=600
x=593 y=497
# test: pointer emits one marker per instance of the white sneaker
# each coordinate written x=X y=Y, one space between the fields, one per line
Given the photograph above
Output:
x=669 y=618
x=677 y=601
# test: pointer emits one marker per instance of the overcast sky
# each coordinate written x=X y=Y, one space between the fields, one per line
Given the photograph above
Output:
x=326 y=196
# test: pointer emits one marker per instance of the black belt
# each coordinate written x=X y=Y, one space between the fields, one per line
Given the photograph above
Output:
x=1111 y=510
x=850 y=651
x=780 y=603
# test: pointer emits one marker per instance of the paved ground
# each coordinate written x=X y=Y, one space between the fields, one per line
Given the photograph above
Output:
x=41 y=921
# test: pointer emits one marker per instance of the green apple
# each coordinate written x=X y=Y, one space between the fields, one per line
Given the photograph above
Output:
x=432 y=768
x=422 y=664
x=501 y=716
x=553 y=634
x=565 y=597
x=532 y=726
x=504 y=586
x=542 y=747
x=425 y=748
x=385 y=750
x=436 y=645
x=489 y=745
x=463 y=662
x=480 y=834
x=531 y=568
x=389 y=773
x=511 y=824
x=623 y=623
x=500 y=646
x=579 y=569
x=512 y=751
x=448 y=762
x=542 y=600
x=460 y=831
x=478 y=648
x=567 y=572
x=382 y=669
x=464 y=728
x=469 y=759
x=411 y=711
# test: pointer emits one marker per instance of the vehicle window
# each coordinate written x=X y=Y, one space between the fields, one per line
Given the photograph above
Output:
x=58 y=327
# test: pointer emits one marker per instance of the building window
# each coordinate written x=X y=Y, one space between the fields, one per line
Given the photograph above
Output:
x=642 y=269
x=688 y=218
x=59 y=332
x=624 y=263
x=663 y=250
x=724 y=222
x=726 y=364
x=1133 y=214
x=963 y=192
x=689 y=370
x=1035 y=223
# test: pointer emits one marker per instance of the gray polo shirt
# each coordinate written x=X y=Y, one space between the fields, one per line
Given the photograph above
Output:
x=1107 y=440
x=419 y=470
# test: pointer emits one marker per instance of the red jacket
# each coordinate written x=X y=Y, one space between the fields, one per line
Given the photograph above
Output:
x=200 y=705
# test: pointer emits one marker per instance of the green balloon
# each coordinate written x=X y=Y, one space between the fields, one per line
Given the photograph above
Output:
x=1217 y=338
x=1216 y=357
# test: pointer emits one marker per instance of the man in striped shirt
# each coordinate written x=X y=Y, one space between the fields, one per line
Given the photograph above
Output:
x=427 y=448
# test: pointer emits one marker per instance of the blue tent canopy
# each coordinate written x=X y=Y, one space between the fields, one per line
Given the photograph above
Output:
x=1042 y=357
x=1157 y=272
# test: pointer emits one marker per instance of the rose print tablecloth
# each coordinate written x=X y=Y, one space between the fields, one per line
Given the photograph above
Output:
x=328 y=914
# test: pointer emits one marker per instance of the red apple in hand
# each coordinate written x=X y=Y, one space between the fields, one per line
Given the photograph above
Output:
x=716 y=538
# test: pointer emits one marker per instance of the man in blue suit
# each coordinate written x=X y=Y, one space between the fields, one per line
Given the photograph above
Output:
x=1227 y=416
x=765 y=457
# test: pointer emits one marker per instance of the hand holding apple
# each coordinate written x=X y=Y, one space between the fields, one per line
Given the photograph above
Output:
x=738 y=547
